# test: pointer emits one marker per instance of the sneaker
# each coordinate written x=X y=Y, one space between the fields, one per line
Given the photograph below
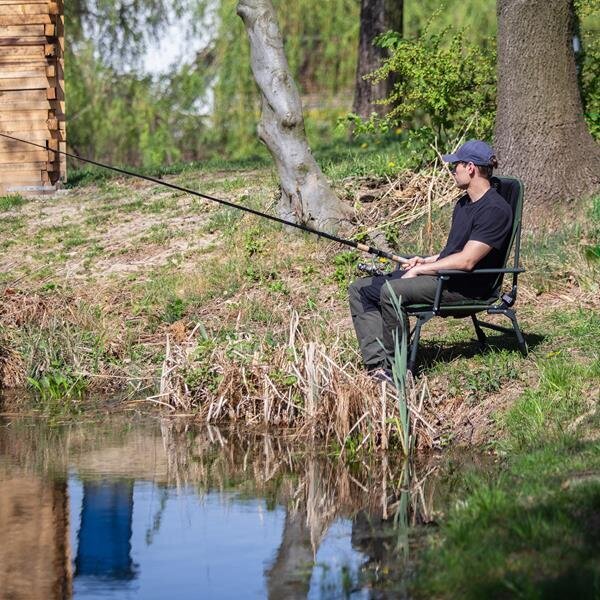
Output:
x=384 y=375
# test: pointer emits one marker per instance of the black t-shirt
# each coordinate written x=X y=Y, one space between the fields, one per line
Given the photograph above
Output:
x=488 y=220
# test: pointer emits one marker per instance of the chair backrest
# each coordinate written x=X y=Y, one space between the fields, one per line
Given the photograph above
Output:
x=512 y=190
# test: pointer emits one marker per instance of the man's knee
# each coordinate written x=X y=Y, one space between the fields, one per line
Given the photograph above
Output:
x=362 y=296
x=354 y=288
x=354 y=294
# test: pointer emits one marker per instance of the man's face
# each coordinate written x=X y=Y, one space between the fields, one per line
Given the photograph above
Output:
x=461 y=171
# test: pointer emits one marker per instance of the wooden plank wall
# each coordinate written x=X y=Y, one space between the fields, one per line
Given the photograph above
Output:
x=32 y=97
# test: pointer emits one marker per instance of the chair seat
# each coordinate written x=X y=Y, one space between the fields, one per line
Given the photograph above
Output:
x=465 y=307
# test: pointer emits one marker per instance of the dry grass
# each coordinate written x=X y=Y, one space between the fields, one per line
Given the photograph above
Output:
x=409 y=198
x=304 y=386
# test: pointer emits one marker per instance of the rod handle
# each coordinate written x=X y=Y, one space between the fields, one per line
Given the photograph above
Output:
x=370 y=250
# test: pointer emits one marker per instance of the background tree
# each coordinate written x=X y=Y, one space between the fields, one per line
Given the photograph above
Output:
x=320 y=46
x=376 y=17
x=306 y=196
x=540 y=133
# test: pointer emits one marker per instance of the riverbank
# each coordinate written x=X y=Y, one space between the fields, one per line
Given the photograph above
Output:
x=162 y=302
x=133 y=291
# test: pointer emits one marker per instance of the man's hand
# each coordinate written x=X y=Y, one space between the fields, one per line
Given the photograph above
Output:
x=465 y=260
x=412 y=262
x=412 y=272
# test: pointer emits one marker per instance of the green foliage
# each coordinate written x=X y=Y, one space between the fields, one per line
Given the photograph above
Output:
x=522 y=528
x=121 y=28
x=11 y=201
x=209 y=107
x=530 y=543
x=254 y=241
x=588 y=12
x=152 y=123
x=59 y=384
x=345 y=268
x=320 y=41
x=475 y=18
x=399 y=370
x=201 y=373
x=174 y=310
x=442 y=85
x=542 y=414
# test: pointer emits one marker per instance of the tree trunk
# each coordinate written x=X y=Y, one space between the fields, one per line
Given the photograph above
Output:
x=540 y=133
x=376 y=17
x=306 y=196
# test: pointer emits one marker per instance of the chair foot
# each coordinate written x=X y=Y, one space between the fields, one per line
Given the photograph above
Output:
x=518 y=334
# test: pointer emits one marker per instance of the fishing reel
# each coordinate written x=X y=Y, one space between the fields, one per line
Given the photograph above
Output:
x=377 y=267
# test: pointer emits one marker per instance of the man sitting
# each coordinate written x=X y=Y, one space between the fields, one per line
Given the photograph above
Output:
x=478 y=238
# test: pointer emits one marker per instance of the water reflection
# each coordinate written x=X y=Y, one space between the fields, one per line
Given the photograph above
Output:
x=163 y=509
x=104 y=537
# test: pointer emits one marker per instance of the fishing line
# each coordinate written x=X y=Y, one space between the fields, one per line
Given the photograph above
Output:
x=324 y=234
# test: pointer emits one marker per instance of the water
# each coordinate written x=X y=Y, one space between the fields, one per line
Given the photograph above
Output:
x=162 y=510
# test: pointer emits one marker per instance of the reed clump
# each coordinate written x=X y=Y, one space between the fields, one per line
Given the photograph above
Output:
x=303 y=385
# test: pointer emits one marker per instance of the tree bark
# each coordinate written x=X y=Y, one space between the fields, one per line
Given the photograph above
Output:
x=376 y=17
x=540 y=133
x=306 y=196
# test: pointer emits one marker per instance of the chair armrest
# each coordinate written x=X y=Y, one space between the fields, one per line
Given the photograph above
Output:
x=479 y=271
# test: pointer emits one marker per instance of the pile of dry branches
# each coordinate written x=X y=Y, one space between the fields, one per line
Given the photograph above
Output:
x=402 y=201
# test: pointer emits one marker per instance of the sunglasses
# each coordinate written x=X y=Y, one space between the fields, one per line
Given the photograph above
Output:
x=454 y=165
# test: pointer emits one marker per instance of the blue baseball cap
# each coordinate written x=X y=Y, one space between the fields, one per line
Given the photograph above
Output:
x=475 y=151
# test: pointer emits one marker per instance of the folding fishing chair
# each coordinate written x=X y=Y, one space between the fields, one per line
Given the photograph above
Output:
x=511 y=189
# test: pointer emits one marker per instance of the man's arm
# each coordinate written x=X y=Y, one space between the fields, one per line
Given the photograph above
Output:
x=465 y=260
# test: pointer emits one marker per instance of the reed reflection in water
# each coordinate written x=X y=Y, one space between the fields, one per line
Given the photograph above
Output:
x=171 y=511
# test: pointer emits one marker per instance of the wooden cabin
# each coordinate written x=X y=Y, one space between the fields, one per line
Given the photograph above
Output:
x=32 y=98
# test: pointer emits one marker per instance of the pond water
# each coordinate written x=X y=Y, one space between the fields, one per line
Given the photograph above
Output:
x=161 y=509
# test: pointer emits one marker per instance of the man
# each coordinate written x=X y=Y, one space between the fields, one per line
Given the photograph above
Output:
x=478 y=238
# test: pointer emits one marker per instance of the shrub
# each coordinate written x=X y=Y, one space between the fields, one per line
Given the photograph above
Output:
x=442 y=85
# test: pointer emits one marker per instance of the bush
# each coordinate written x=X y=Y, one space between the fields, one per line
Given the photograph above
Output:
x=442 y=86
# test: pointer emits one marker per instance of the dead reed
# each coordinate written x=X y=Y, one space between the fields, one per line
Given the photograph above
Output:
x=302 y=385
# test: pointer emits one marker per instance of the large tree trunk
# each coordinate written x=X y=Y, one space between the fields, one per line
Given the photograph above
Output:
x=306 y=196
x=376 y=17
x=540 y=134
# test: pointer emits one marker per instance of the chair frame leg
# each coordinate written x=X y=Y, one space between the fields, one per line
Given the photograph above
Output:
x=480 y=334
x=518 y=333
x=415 y=337
x=509 y=314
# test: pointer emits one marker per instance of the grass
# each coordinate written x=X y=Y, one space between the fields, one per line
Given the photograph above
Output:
x=527 y=527
x=11 y=201
x=528 y=530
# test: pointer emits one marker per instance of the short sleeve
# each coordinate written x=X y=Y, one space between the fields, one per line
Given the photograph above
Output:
x=492 y=226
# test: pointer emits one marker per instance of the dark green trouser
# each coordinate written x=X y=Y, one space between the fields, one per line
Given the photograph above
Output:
x=374 y=317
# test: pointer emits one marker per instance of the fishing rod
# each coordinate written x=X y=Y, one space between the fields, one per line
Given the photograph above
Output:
x=334 y=238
